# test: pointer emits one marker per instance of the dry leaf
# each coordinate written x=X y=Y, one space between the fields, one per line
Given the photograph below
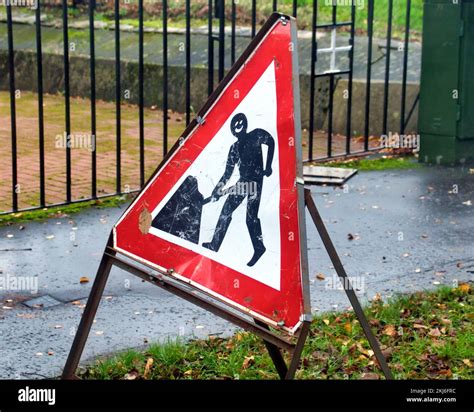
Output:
x=320 y=276
x=84 y=279
x=435 y=332
x=389 y=330
x=419 y=326
x=188 y=372
x=131 y=376
x=326 y=321
x=149 y=363
x=370 y=376
x=248 y=361
x=348 y=327
x=467 y=362
x=464 y=288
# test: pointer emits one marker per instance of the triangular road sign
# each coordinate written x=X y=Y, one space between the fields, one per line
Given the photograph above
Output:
x=224 y=212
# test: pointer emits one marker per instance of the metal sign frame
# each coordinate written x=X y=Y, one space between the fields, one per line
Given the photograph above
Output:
x=275 y=338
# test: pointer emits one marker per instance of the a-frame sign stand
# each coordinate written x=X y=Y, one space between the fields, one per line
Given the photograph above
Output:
x=273 y=341
x=260 y=92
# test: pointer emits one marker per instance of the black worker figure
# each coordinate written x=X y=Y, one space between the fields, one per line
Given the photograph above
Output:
x=246 y=154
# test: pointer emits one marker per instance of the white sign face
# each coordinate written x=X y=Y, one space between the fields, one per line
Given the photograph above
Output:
x=236 y=247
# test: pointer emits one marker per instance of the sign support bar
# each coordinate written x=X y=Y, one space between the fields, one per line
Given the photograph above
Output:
x=323 y=233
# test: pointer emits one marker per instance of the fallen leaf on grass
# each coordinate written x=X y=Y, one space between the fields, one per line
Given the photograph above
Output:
x=370 y=376
x=348 y=327
x=419 y=326
x=377 y=297
x=389 y=330
x=320 y=356
x=326 y=321
x=149 y=364
x=387 y=353
x=248 y=361
x=131 y=376
x=188 y=372
x=467 y=362
x=84 y=279
x=464 y=288
x=435 y=332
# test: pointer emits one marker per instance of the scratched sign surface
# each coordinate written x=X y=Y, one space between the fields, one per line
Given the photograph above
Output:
x=224 y=211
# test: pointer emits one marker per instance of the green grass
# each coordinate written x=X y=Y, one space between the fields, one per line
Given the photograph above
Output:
x=153 y=14
x=426 y=335
x=383 y=163
x=61 y=211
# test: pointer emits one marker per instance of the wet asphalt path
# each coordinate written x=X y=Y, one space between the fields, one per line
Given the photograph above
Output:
x=410 y=229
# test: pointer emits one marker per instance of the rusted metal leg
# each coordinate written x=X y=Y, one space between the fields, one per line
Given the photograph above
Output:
x=313 y=211
x=296 y=355
x=275 y=353
x=88 y=316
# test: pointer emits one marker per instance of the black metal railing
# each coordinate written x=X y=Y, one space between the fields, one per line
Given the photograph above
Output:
x=225 y=14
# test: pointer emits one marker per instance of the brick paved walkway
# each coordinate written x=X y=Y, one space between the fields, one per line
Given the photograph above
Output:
x=55 y=157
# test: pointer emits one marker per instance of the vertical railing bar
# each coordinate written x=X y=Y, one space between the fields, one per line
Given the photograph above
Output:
x=405 y=68
x=93 y=99
x=312 y=80
x=118 y=98
x=67 y=102
x=330 y=115
x=165 y=77
x=39 y=68
x=221 y=39
x=188 y=62
x=232 y=47
x=387 y=68
x=295 y=8
x=351 y=76
x=331 y=94
x=275 y=5
x=254 y=18
x=370 y=31
x=210 y=51
x=141 y=113
x=11 y=72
